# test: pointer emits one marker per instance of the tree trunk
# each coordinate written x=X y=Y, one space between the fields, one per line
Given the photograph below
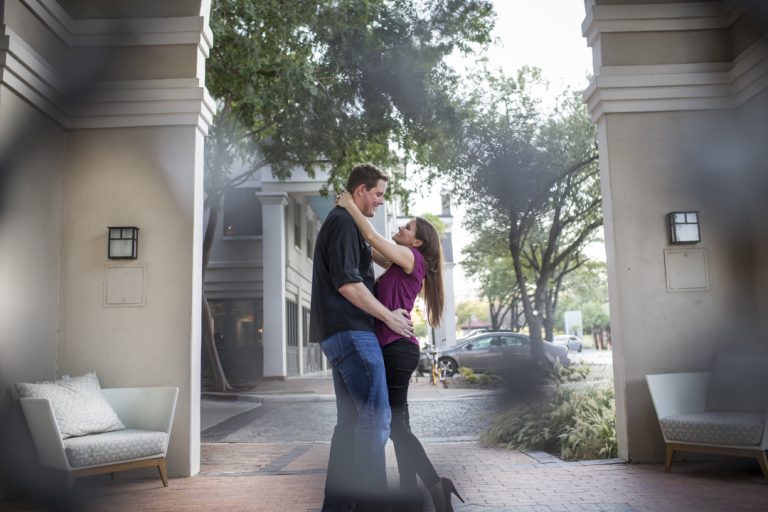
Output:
x=494 y=314
x=532 y=317
x=535 y=324
x=220 y=381
x=548 y=318
x=518 y=320
x=549 y=328
x=498 y=313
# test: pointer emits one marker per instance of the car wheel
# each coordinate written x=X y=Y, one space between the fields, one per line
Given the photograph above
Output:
x=448 y=366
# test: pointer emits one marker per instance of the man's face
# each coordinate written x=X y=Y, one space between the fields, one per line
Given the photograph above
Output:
x=368 y=200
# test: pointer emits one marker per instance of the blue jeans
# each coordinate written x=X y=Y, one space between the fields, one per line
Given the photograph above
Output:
x=356 y=464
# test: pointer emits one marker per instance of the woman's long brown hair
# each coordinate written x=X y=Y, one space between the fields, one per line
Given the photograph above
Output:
x=432 y=250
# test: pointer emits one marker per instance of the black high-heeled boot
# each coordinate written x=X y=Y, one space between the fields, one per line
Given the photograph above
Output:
x=441 y=495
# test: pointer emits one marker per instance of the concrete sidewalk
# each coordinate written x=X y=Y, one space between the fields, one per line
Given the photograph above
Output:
x=218 y=407
x=290 y=477
x=322 y=386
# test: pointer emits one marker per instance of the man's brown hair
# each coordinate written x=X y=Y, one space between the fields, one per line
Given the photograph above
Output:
x=367 y=174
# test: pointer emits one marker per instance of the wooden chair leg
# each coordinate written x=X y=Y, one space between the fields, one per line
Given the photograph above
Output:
x=161 y=467
x=763 y=461
x=668 y=460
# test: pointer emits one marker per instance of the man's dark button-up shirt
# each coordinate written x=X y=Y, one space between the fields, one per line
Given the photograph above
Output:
x=341 y=256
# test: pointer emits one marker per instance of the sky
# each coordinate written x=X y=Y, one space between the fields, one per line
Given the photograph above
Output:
x=545 y=34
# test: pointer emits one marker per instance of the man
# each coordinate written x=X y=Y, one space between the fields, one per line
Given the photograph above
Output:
x=343 y=312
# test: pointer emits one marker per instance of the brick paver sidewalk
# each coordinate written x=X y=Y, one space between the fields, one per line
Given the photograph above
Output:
x=290 y=477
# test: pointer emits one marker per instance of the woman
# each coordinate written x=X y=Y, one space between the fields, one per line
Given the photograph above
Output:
x=414 y=259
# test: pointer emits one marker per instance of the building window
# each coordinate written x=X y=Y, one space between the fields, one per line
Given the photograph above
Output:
x=237 y=333
x=305 y=326
x=297 y=224
x=237 y=323
x=313 y=355
x=310 y=236
x=242 y=213
x=292 y=319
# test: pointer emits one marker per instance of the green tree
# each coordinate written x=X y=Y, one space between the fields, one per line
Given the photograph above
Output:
x=467 y=309
x=487 y=260
x=586 y=290
x=324 y=84
x=533 y=176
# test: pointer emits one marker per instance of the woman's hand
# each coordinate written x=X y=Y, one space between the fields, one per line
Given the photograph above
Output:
x=345 y=200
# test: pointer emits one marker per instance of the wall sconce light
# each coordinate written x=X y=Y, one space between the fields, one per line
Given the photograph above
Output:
x=123 y=243
x=684 y=227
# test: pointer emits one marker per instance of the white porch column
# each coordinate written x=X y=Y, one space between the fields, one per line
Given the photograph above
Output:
x=449 y=313
x=273 y=242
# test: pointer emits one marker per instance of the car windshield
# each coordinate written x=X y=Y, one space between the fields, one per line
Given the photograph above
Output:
x=513 y=341
x=481 y=342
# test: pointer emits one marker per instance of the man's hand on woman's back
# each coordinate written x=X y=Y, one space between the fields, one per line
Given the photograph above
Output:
x=400 y=322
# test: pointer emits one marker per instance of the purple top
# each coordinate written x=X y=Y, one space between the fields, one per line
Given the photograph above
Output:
x=396 y=289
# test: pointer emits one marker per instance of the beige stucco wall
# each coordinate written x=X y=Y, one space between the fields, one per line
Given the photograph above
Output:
x=81 y=168
x=681 y=125
x=143 y=177
x=754 y=118
x=123 y=62
x=653 y=160
x=34 y=32
x=632 y=48
x=31 y=147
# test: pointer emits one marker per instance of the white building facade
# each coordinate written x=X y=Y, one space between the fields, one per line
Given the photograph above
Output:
x=259 y=278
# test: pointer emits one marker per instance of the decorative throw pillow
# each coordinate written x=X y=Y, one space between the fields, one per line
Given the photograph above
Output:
x=78 y=405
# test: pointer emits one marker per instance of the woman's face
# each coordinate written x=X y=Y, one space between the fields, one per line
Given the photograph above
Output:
x=406 y=235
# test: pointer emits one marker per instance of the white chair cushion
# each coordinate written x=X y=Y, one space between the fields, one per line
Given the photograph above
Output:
x=718 y=428
x=113 y=447
x=78 y=405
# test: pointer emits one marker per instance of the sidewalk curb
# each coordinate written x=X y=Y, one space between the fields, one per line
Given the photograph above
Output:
x=230 y=397
x=297 y=397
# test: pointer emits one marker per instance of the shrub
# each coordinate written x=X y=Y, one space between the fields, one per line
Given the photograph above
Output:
x=489 y=380
x=562 y=374
x=575 y=421
x=468 y=375
x=485 y=380
x=592 y=435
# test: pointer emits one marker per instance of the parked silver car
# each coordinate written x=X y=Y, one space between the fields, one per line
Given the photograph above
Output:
x=425 y=359
x=569 y=341
x=496 y=352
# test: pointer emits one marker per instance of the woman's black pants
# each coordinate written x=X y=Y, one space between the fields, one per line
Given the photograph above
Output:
x=400 y=360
